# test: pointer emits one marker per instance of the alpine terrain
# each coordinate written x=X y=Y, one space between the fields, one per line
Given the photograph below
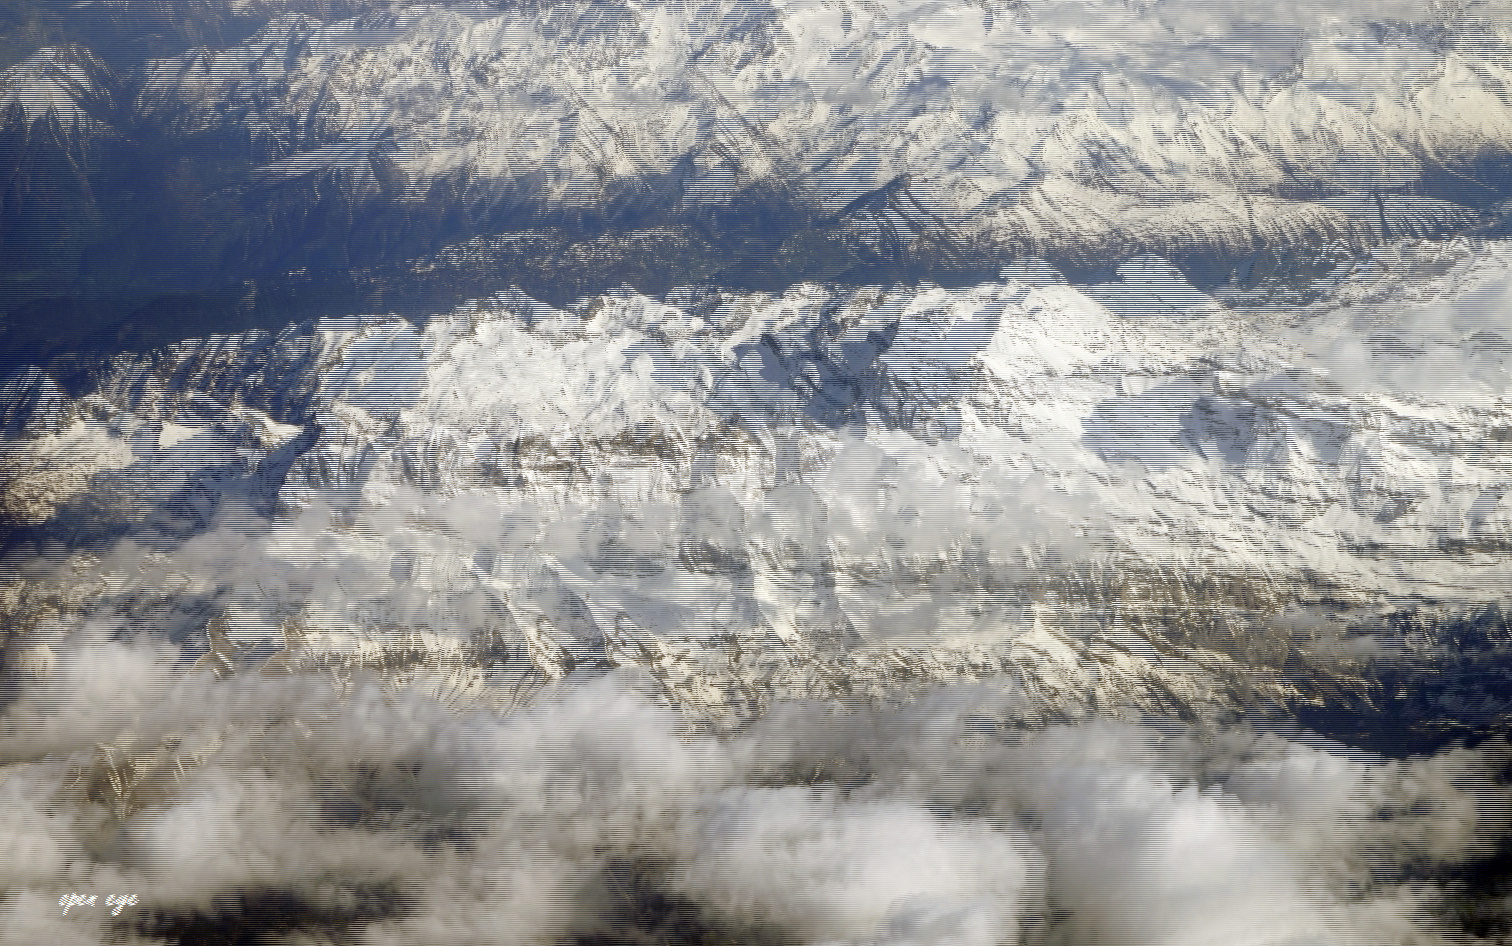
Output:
x=747 y=471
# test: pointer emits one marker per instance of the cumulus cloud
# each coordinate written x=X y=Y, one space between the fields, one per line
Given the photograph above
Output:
x=856 y=870
x=273 y=805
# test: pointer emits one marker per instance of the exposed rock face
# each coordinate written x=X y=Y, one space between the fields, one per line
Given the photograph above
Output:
x=1168 y=504
x=57 y=120
x=66 y=89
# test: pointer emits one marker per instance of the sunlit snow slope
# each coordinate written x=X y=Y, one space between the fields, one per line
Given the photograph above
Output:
x=1140 y=496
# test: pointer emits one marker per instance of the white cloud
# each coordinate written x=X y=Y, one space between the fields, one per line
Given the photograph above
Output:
x=928 y=823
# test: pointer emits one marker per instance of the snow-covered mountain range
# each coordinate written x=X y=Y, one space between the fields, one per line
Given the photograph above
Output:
x=754 y=144
x=1155 y=325
x=865 y=472
x=1170 y=500
x=978 y=122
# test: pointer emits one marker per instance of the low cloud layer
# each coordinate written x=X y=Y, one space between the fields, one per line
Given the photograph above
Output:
x=271 y=806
